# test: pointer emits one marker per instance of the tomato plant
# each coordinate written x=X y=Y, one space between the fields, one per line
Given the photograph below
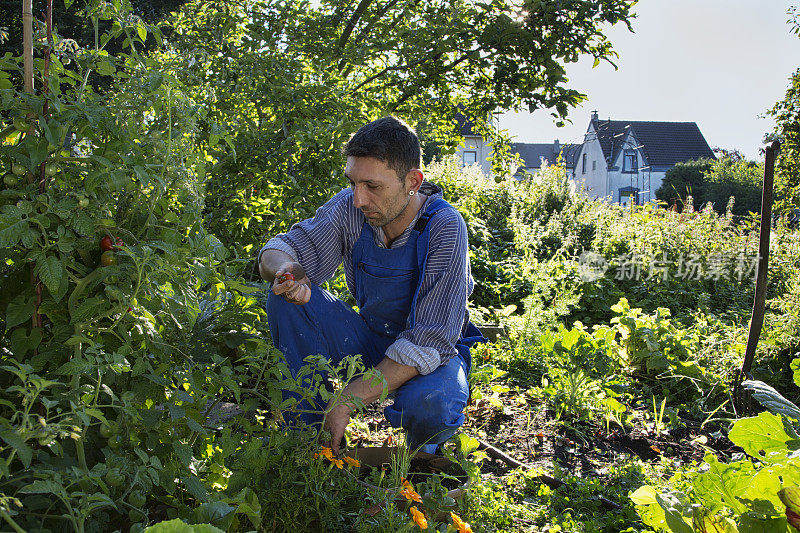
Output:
x=21 y=125
x=51 y=170
x=106 y=243
x=108 y=258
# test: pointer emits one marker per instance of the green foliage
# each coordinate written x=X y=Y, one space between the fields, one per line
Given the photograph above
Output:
x=323 y=71
x=738 y=496
x=524 y=503
x=731 y=184
x=786 y=114
x=684 y=181
x=735 y=186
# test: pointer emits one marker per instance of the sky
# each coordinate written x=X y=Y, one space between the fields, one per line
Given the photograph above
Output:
x=719 y=63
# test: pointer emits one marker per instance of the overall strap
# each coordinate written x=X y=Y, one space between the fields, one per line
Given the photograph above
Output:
x=423 y=239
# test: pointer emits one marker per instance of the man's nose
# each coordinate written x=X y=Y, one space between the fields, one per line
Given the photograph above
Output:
x=358 y=198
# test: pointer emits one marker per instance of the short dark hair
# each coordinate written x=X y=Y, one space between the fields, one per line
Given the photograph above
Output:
x=388 y=139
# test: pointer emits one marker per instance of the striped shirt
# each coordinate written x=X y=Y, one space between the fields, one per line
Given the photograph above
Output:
x=322 y=243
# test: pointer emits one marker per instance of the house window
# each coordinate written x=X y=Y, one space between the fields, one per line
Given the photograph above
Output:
x=583 y=164
x=594 y=165
x=470 y=158
x=628 y=196
x=629 y=163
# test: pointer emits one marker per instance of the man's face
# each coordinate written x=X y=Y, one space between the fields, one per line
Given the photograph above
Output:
x=377 y=190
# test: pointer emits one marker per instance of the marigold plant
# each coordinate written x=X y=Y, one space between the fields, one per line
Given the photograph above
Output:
x=419 y=517
x=459 y=525
x=409 y=492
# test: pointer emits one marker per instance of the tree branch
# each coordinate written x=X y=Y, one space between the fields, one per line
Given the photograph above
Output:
x=351 y=24
x=397 y=67
x=365 y=30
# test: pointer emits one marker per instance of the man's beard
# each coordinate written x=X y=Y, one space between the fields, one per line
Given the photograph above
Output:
x=383 y=221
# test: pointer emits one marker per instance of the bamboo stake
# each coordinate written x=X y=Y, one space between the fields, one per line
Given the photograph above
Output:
x=27 y=43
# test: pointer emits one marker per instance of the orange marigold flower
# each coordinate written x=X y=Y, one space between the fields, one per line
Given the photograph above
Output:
x=351 y=461
x=419 y=518
x=338 y=462
x=327 y=452
x=460 y=525
x=410 y=494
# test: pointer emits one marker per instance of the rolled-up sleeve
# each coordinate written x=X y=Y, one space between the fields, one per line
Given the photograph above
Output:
x=316 y=243
x=442 y=300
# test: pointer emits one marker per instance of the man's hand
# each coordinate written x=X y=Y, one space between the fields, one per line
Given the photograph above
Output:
x=340 y=409
x=292 y=284
x=335 y=423
x=289 y=280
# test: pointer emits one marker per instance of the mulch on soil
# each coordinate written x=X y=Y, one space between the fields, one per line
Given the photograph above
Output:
x=532 y=435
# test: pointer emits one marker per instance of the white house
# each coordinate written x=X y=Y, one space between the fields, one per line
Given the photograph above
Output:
x=535 y=155
x=625 y=161
x=476 y=150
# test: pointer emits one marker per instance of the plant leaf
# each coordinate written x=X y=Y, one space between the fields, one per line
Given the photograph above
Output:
x=771 y=399
x=763 y=437
x=50 y=271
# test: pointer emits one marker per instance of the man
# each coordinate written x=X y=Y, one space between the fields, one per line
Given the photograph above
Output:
x=404 y=251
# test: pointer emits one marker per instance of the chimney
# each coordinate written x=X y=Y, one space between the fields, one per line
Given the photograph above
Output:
x=594 y=116
x=556 y=147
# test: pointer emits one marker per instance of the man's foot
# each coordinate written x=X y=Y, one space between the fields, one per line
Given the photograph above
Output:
x=429 y=448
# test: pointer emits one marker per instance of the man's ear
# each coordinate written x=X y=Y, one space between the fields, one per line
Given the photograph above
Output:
x=414 y=179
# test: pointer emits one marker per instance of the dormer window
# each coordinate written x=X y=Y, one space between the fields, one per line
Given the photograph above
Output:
x=629 y=163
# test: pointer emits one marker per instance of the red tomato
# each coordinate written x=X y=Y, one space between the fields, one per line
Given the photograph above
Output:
x=106 y=243
x=285 y=276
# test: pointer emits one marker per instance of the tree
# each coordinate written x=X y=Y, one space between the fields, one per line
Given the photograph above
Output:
x=289 y=81
x=684 y=180
x=737 y=180
x=787 y=117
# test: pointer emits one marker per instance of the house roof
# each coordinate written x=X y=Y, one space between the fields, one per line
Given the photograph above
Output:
x=663 y=143
x=465 y=126
x=532 y=153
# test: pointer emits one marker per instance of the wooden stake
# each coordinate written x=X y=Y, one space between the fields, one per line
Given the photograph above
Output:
x=740 y=397
x=27 y=43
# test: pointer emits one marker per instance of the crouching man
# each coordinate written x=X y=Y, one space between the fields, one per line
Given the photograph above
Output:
x=405 y=259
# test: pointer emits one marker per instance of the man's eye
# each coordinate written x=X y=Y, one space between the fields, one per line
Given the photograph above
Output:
x=372 y=187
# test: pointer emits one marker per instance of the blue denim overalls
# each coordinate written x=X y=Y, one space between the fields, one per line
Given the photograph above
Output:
x=430 y=407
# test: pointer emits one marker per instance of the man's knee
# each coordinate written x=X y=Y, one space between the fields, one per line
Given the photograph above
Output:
x=431 y=416
x=438 y=410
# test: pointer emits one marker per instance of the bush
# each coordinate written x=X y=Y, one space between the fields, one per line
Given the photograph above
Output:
x=735 y=186
x=684 y=181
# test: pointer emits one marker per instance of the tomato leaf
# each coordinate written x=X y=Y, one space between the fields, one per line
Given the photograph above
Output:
x=183 y=451
x=195 y=487
x=42 y=486
x=19 y=310
x=11 y=231
x=13 y=439
x=50 y=271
